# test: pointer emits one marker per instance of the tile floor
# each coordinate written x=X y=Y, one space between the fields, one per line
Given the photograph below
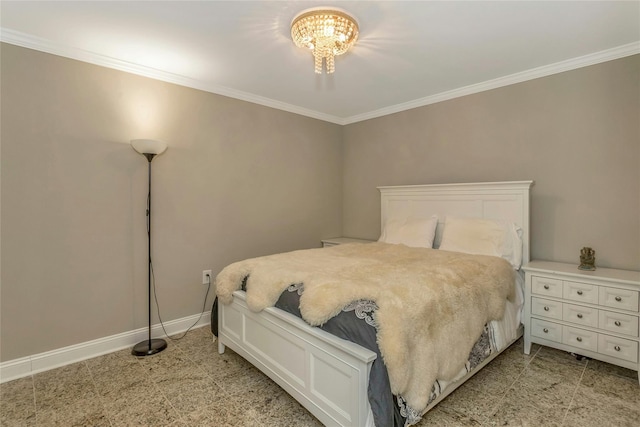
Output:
x=189 y=384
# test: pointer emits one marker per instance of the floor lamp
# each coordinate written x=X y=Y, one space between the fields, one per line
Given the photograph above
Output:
x=149 y=148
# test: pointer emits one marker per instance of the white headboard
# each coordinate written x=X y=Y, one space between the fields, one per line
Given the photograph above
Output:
x=493 y=200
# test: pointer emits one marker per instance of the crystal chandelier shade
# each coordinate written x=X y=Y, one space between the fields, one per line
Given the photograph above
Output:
x=327 y=33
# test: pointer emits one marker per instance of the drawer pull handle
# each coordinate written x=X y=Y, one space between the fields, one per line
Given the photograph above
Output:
x=617 y=323
x=546 y=287
x=546 y=308
x=545 y=330
x=618 y=299
x=616 y=348
x=579 y=292
x=579 y=339
x=579 y=315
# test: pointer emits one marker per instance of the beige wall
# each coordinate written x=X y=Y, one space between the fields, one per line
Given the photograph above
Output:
x=241 y=180
x=238 y=180
x=576 y=134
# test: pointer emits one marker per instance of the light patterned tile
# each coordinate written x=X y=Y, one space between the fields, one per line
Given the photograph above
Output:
x=142 y=405
x=548 y=381
x=515 y=354
x=17 y=403
x=200 y=338
x=590 y=409
x=496 y=378
x=247 y=382
x=282 y=410
x=116 y=373
x=202 y=351
x=63 y=386
x=18 y=422
x=166 y=363
x=446 y=417
x=191 y=392
x=224 y=414
x=470 y=404
x=256 y=401
x=194 y=336
x=542 y=393
x=501 y=373
x=607 y=368
x=83 y=413
x=170 y=358
x=67 y=396
x=113 y=365
x=606 y=383
x=190 y=384
x=518 y=413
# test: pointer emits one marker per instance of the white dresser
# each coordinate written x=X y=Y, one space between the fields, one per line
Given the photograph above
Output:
x=592 y=313
x=342 y=240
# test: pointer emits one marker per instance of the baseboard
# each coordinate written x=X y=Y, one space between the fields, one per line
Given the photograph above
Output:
x=29 y=365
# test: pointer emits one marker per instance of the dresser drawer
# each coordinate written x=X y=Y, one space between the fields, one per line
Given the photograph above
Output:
x=580 y=292
x=618 y=322
x=580 y=315
x=547 y=330
x=594 y=313
x=623 y=299
x=618 y=347
x=546 y=287
x=546 y=308
x=581 y=338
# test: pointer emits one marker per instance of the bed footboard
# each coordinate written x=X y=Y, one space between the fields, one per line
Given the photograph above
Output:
x=329 y=376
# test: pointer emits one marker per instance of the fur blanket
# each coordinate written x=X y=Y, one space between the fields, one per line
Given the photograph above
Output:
x=433 y=304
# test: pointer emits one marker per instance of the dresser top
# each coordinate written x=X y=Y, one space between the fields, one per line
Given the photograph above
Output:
x=623 y=276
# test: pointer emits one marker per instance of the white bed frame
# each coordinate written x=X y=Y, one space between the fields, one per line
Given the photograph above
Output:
x=329 y=376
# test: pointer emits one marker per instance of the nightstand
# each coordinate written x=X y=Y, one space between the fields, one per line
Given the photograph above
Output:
x=342 y=240
x=592 y=313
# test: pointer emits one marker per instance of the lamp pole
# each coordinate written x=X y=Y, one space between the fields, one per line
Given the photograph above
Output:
x=150 y=346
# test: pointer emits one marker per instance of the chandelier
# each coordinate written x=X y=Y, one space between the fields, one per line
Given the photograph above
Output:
x=327 y=32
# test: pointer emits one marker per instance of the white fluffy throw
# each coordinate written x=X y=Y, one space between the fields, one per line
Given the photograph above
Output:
x=433 y=304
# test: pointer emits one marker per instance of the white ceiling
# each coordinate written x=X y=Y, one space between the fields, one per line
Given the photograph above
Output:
x=409 y=53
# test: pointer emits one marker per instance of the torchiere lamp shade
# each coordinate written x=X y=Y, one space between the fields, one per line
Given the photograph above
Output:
x=149 y=146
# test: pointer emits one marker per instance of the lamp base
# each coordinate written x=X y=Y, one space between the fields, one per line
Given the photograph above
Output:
x=149 y=347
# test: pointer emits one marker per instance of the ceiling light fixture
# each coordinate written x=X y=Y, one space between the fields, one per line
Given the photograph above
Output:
x=327 y=32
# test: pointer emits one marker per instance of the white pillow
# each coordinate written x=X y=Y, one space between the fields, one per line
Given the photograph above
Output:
x=483 y=237
x=415 y=232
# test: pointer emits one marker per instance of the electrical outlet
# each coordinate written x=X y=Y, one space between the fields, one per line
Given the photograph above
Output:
x=206 y=277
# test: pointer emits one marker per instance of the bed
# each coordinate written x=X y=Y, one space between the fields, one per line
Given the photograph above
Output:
x=330 y=376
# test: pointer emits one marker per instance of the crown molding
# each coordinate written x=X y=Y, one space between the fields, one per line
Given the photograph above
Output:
x=534 y=73
x=25 y=40
x=43 y=45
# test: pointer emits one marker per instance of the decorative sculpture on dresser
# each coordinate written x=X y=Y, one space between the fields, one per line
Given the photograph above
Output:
x=587 y=259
